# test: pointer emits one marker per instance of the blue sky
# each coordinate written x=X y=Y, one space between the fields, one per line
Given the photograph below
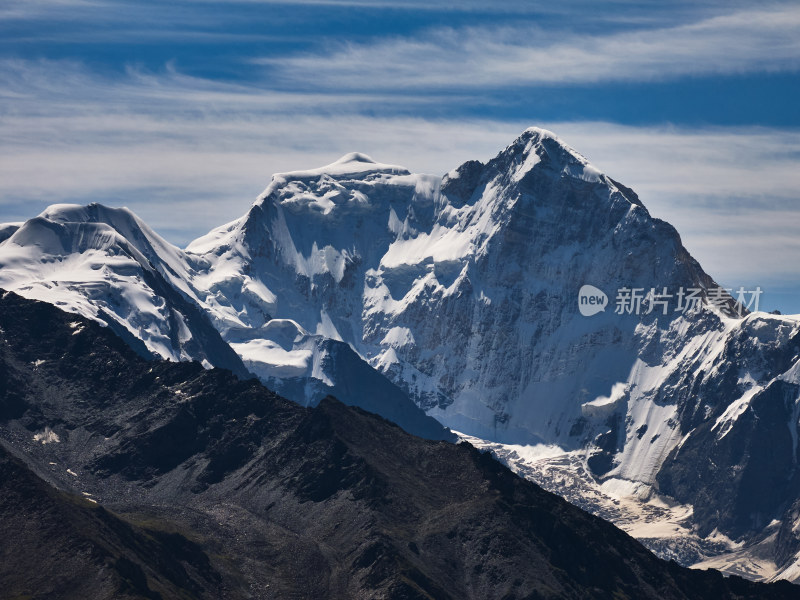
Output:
x=182 y=110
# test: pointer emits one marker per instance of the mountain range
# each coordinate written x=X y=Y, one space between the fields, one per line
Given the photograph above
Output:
x=123 y=477
x=419 y=297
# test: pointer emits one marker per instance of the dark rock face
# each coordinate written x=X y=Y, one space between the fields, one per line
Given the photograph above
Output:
x=741 y=473
x=220 y=488
x=460 y=187
x=739 y=482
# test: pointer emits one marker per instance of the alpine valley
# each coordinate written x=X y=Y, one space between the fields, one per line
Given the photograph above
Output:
x=450 y=307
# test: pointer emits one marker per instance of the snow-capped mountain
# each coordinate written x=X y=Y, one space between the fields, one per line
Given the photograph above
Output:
x=109 y=266
x=463 y=291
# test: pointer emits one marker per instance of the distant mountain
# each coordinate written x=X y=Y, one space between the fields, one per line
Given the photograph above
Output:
x=106 y=264
x=151 y=479
x=366 y=281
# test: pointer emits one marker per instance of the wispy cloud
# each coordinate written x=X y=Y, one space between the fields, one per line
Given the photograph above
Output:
x=22 y=10
x=476 y=57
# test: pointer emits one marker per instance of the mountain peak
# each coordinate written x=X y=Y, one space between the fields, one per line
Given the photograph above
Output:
x=352 y=157
x=92 y=213
x=537 y=146
x=539 y=132
x=350 y=165
x=110 y=226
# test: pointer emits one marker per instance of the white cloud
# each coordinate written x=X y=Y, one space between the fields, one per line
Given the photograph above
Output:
x=476 y=57
x=19 y=10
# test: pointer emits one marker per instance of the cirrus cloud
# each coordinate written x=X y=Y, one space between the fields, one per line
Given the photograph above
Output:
x=477 y=57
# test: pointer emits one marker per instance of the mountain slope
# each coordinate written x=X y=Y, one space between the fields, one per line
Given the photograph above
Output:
x=106 y=264
x=290 y=502
x=60 y=545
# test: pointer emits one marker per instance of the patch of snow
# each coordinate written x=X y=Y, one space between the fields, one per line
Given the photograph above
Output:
x=531 y=160
x=352 y=164
x=734 y=410
x=602 y=406
x=48 y=436
x=274 y=359
x=398 y=337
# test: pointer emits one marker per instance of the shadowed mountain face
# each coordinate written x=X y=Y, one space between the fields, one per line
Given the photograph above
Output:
x=208 y=486
x=57 y=545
